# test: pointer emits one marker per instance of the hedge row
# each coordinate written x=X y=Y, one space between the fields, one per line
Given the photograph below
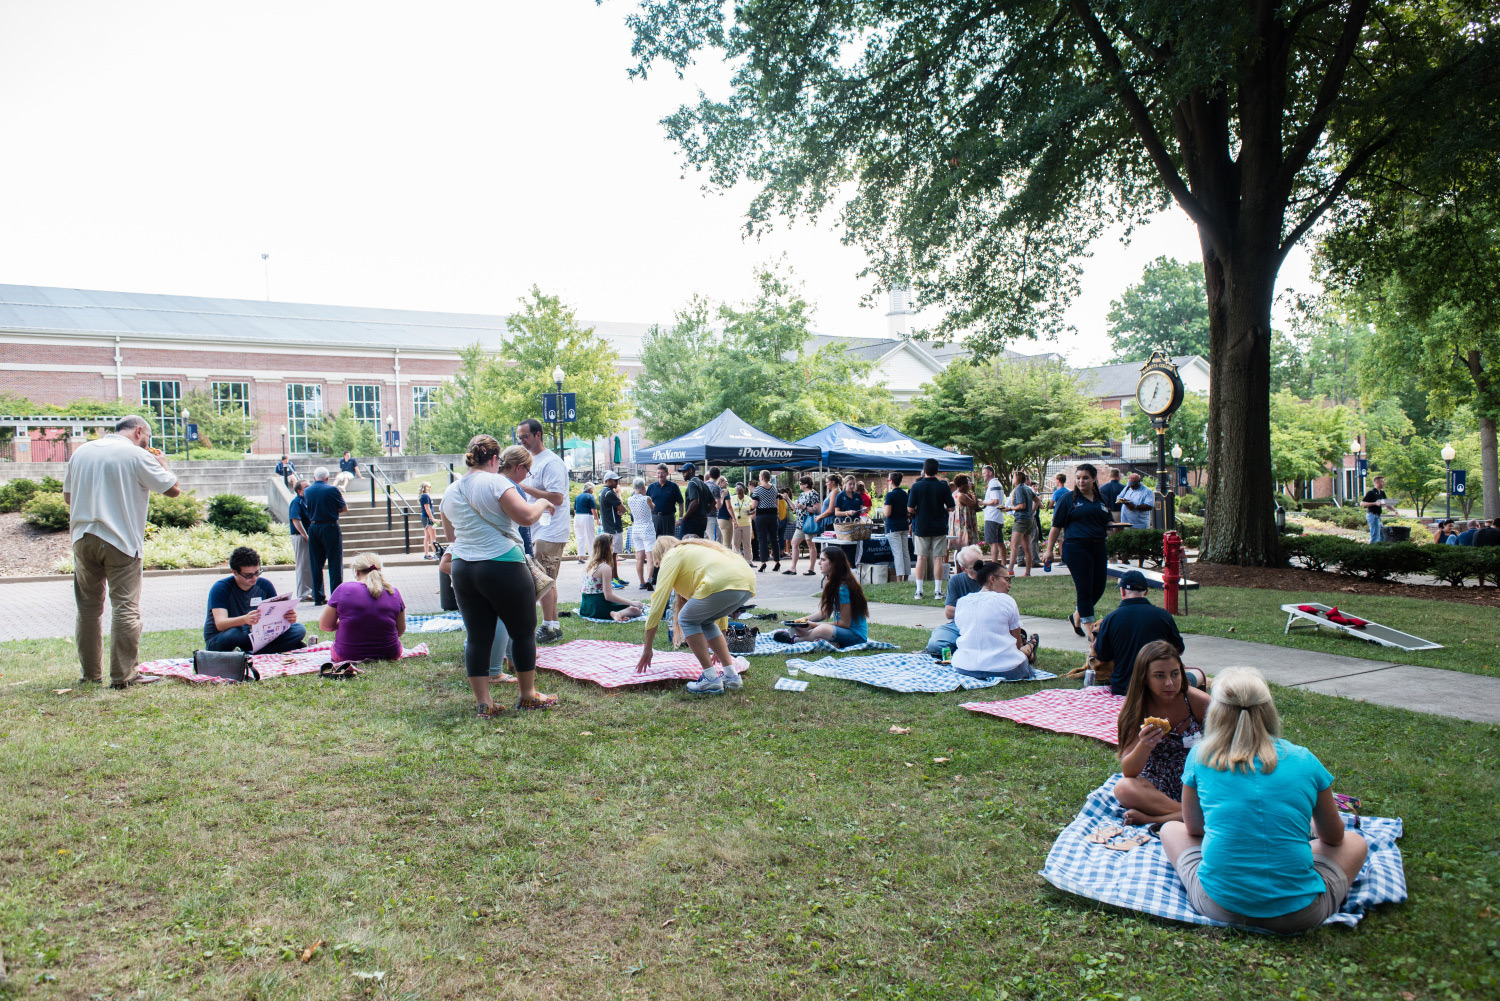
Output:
x=1454 y=564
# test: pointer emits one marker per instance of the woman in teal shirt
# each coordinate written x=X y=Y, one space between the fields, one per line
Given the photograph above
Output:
x=1242 y=848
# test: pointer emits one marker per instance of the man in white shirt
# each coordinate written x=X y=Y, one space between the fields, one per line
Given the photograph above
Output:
x=549 y=482
x=106 y=489
x=995 y=506
x=1136 y=503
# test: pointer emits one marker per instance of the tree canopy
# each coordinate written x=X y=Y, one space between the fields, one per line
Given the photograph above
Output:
x=1012 y=415
x=757 y=362
x=974 y=148
x=494 y=393
x=1167 y=308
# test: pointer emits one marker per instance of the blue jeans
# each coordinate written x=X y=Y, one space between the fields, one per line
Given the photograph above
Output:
x=945 y=635
x=1376 y=535
x=238 y=638
x=843 y=637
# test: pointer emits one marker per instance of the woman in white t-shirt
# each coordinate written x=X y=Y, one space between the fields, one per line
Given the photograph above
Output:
x=991 y=642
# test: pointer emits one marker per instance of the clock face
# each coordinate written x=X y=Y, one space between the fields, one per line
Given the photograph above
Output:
x=1154 y=392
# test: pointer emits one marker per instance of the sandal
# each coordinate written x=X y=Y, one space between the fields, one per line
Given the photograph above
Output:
x=1103 y=834
x=788 y=572
x=542 y=702
x=340 y=672
x=489 y=712
x=1036 y=644
x=1129 y=844
x=810 y=573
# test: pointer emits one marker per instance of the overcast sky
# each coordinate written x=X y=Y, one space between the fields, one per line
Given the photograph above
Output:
x=441 y=155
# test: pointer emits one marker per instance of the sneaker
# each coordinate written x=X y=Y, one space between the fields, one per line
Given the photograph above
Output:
x=547 y=634
x=620 y=583
x=428 y=556
x=139 y=679
x=732 y=681
x=707 y=685
x=920 y=595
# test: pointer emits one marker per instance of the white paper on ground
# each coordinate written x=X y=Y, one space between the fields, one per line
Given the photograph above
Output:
x=788 y=685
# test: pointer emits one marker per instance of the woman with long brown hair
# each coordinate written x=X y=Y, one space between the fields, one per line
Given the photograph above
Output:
x=843 y=612
x=1151 y=758
x=965 y=512
x=1085 y=514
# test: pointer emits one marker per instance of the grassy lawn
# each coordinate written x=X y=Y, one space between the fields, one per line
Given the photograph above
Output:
x=179 y=842
x=1467 y=632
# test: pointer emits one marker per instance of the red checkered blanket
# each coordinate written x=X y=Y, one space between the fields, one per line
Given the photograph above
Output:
x=1091 y=712
x=611 y=663
x=308 y=660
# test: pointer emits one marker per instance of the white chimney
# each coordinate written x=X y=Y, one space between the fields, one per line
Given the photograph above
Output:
x=898 y=320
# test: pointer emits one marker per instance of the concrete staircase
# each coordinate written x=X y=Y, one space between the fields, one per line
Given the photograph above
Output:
x=364 y=527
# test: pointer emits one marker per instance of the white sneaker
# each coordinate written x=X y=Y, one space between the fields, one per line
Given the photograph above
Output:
x=707 y=685
x=919 y=595
x=731 y=679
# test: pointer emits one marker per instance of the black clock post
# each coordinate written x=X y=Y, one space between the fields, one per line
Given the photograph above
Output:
x=1159 y=393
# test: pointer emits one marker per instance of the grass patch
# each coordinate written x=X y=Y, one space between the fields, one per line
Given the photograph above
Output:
x=1467 y=632
x=187 y=842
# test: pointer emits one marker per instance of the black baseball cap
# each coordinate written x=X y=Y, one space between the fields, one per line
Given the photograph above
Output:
x=1134 y=580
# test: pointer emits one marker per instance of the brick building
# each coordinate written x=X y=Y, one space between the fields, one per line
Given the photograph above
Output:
x=286 y=362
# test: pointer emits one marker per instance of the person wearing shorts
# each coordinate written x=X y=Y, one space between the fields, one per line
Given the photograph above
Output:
x=1023 y=501
x=995 y=506
x=897 y=527
x=549 y=536
x=711 y=584
x=429 y=523
x=1242 y=848
x=928 y=503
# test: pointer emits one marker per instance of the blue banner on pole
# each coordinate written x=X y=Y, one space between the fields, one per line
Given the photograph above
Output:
x=549 y=408
x=569 y=407
x=1460 y=482
x=393 y=438
x=1182 y=479
x=192 y=432
x=1363 y=467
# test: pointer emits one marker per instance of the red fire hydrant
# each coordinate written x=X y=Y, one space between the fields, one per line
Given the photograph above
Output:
x=1171 y=578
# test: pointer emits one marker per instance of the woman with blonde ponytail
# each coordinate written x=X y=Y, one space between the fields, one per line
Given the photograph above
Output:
x=1242 y=848
x=366 y=615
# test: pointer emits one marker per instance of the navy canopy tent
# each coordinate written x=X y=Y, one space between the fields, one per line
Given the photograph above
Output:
x=728 y=441
x=845 y=446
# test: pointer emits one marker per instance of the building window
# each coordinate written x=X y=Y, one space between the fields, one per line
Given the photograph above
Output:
x=364 y=400
x=164 y=399
x=231 y=395
x=304 y=405
x=423 y=399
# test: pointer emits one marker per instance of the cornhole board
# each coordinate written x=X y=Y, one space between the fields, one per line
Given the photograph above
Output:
x=1372 y=631
x=1153 y=577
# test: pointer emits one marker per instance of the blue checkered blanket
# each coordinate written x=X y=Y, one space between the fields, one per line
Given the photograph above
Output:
x=442 y=622
x=901 y=672
x=768 y=645
x=1143 y=879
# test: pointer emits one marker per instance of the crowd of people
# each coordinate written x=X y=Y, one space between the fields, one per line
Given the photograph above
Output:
x=1247 y=819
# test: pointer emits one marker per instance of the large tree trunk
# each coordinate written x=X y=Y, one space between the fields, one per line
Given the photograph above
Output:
x=1490 y=474
x=1240 y=523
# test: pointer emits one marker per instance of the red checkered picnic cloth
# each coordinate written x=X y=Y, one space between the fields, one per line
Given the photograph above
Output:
x=308 y=660
x=611 y=663
x=1091 y=712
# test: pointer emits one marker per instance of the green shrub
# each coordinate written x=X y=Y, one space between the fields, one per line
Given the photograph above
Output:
x=1193 y=502
x=182 y=511
x=50 y=485
x=1292 y=530
x=1318 y=552
x=1343 y=517
x=15 y=494
x=1135 y=544
x=234 y=513
x=1457 y=564
x=47 y=512
x=1385 y=559
x=1189 y=524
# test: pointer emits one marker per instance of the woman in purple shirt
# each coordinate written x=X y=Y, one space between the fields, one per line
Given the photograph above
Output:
x=366 y=615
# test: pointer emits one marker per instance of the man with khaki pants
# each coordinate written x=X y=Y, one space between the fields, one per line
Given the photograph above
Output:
x=106 y=489
x=549 y=482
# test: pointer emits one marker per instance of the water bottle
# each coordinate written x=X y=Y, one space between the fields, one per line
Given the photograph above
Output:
x=1088 y=677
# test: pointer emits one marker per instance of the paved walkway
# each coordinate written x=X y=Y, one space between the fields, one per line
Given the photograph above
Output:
x=45 y=609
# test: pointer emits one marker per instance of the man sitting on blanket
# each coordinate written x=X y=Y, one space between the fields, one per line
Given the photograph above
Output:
x=960 y=584
x=1134 y=623
x=233 y=608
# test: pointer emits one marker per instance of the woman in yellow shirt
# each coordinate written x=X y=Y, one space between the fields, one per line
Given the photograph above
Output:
x=711 y=583
x=742 y=528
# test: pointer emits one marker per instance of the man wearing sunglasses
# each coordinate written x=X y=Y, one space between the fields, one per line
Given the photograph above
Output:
x=233 y=608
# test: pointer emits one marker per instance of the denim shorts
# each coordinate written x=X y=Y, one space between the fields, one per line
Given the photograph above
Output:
x=843 y=637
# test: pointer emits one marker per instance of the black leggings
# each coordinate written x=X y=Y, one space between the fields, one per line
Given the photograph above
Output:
x=767 y=539
x=488 y=590
x=1086 y=560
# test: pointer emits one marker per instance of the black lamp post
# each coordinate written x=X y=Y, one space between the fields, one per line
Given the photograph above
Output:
x=187 y=442
x=557 y=377
x=1448 y=453
x=390 y=448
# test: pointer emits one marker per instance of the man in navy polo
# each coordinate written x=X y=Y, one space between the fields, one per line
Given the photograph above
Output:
x=1134 y=623
x=322 y=504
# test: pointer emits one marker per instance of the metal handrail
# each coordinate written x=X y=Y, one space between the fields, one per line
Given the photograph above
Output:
x=390 y=486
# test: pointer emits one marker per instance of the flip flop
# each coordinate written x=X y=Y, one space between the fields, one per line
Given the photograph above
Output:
x=1103 y=834
x=1074 y=623
x=1130 y=843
